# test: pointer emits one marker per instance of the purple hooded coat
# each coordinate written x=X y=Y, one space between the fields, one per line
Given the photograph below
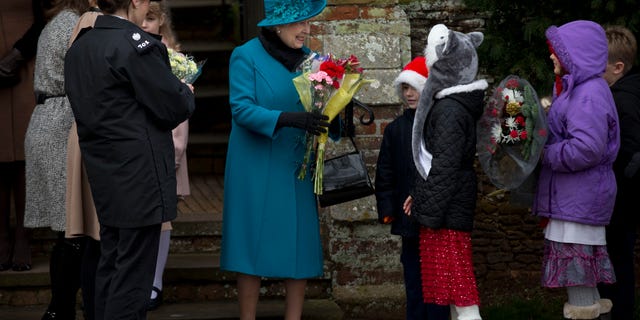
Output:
x=576 y=182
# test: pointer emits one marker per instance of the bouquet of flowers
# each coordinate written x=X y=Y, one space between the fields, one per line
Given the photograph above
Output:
x=511 y=133
x=184 y=67
x=326 y=86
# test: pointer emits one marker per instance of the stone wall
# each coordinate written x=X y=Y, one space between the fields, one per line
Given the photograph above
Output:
x=362 y=258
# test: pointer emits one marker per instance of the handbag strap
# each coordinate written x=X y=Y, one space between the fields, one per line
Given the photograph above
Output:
x=353 y=142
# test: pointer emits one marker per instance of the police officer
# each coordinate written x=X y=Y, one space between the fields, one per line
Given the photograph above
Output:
x=126 y=101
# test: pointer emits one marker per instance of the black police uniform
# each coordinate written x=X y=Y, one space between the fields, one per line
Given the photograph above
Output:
x=126 y=101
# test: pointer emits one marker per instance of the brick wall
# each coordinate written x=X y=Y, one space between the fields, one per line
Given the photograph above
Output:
x=362 y=258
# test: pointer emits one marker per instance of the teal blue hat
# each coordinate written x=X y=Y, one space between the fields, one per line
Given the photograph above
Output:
x=279 y=12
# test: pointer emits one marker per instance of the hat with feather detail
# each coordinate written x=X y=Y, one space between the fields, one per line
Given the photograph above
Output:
x=279 y=12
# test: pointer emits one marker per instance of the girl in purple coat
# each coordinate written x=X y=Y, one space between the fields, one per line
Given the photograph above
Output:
x=577 y=187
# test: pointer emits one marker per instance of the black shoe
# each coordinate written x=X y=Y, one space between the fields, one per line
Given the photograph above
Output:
x=155 y=303
x=21 y=267
x=49 y=315
x=5 y=266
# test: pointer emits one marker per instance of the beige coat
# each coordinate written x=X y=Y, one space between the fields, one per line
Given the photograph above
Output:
x=180 y=139
x=17 y=102
x=81 y=212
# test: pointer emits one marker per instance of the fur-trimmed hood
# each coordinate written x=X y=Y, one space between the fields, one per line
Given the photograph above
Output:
x=453 y=65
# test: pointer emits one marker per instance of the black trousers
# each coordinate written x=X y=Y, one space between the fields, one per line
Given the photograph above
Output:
x=125 y=272
x=417 y=309
x=621 y=241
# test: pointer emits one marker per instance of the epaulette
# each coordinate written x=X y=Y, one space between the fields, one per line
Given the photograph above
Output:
x=141 y=41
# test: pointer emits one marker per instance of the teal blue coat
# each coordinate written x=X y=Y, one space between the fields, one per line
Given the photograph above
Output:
x=270 y=223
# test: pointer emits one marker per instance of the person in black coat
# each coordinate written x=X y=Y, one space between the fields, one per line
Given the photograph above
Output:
x=126 y=101
x=624 y=81
x=395 y=177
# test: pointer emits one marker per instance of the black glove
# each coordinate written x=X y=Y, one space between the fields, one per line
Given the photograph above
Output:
x=313 y=123
x=9 y=65
x=335 y=128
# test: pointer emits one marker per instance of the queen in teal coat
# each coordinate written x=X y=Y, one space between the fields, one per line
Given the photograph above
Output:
x=270 y=223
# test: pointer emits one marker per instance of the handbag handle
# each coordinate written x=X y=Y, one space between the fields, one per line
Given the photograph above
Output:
x=353 y=142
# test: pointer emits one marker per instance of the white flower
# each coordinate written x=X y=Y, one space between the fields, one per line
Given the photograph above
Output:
x=510 y=122
x=512 y=95
x=496 y=133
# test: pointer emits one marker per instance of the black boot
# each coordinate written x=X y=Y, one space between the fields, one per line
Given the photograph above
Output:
x=64 y=270
x=90 y=259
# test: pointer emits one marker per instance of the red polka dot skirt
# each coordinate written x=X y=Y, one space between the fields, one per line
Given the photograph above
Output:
x=447 y=268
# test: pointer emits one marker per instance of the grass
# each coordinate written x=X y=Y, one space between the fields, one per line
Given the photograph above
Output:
x=536 y=304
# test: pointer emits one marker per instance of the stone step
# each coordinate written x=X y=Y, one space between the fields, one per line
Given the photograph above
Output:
x=314 y=309
x=180 y=267
x=188 y=277
x=195 y=3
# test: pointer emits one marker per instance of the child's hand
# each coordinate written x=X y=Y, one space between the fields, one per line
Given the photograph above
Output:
x=387 y=219
x=188 y=85
x=407 y=205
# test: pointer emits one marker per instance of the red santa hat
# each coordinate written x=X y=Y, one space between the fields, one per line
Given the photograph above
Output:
x=415 y=74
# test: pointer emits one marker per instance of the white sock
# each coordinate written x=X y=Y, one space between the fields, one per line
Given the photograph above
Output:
x=467 y=313
x=161 y=262
x=582 y=296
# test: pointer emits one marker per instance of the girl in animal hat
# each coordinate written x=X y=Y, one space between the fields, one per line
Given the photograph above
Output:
x=443 y=142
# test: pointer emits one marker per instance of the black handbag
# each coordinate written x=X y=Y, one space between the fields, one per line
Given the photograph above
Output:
x=345 y=178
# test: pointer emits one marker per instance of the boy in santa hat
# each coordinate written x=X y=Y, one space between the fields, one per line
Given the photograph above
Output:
x=395 y=177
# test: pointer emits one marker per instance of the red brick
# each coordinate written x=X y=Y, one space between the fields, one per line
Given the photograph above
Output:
x=340 y=13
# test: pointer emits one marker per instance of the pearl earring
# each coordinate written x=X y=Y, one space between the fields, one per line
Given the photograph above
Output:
x=278 y=31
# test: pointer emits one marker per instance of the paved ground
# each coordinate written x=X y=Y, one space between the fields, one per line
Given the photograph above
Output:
x=267 y=310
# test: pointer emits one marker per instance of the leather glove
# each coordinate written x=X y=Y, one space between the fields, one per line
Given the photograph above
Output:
x=313 y=123
x=9 y=65
x=335 y=128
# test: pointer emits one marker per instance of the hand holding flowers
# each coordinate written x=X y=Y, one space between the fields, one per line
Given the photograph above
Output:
x=326 y=86
x=511 y=133
x=184 y=67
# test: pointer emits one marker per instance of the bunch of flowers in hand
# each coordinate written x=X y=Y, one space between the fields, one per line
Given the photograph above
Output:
x=325 y=86
x=511 y=133
x=184 y=67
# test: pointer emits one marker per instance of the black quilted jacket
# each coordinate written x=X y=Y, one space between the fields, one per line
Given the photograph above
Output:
x=447 y=198
x=396 y=175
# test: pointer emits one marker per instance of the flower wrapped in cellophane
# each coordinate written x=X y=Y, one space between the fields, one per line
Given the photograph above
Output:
x=326 y=86
x=184 y=67
x=511 y=133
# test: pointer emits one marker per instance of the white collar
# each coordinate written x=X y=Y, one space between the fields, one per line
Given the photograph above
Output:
x=476 y=85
